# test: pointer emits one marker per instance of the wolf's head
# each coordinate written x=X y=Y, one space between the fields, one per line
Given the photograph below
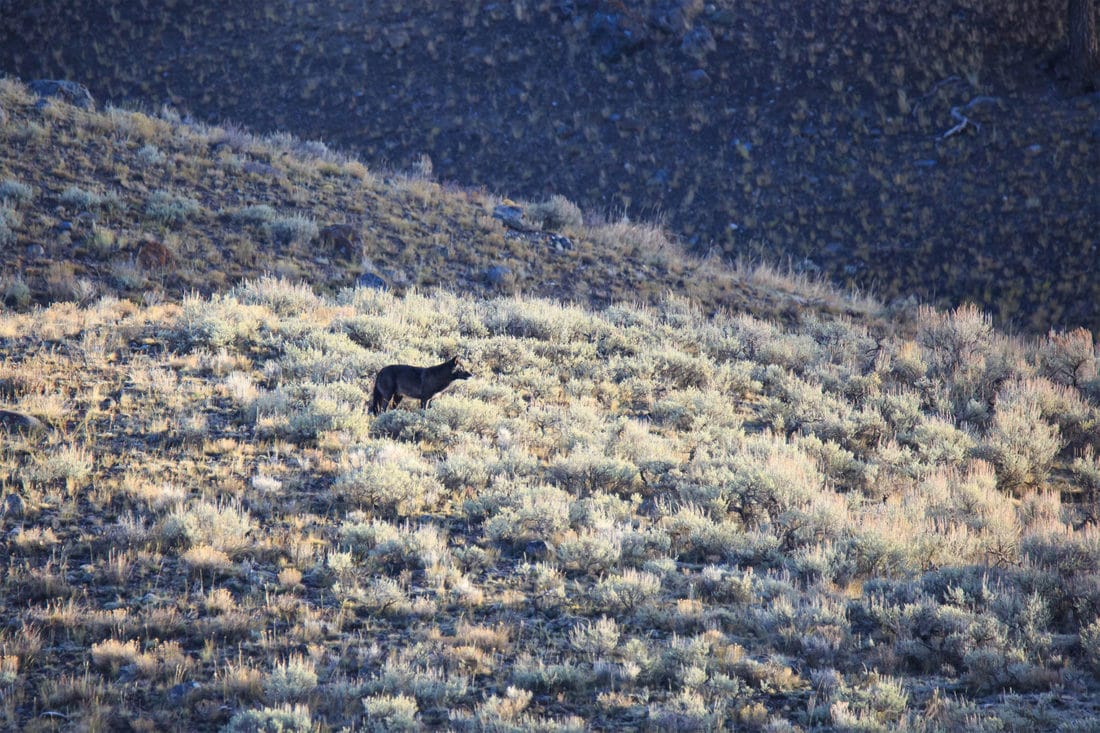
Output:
x=457 y=372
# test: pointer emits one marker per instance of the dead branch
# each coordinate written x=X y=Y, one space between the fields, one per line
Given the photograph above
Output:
x=963 y=120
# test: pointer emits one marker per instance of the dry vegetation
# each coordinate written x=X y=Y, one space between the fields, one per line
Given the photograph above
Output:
x=150 y=208
x=631 y=517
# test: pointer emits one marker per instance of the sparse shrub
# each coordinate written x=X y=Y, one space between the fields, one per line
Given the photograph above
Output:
x=150 y=155
x=10 y=220
x=625 y=592
x=1090 y=644
x=391 y=713
x=1068 y=358
x=205 y=558
x=15 y=288
x=281 y=719
x=291 y=679
x=220 y=323
x=14 y=192
x=224 y=525
x=532 y=513
x=587 y=471
x=293 y=229
x=595 y=640
x=70 y=464
x=389 y=477
x=254 y=214
x=1021 y=445
x=114 y=653
x=555 y=214
x=171 y=209
x=590 y=550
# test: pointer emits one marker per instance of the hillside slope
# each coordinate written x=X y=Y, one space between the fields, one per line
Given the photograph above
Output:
x=814 y=131
x=637 y=517
x=83 y=191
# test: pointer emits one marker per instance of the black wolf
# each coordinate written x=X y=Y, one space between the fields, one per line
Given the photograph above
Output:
x=422 y=383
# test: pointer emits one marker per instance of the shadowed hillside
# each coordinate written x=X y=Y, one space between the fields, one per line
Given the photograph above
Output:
x=144 y=207
x=827 y=133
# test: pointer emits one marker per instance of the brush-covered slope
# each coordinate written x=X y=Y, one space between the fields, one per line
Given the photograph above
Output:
x=634 y=517
x=140 y=206
x=829 y=132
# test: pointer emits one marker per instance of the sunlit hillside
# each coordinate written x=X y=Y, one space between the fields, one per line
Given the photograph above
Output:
x=633 y=517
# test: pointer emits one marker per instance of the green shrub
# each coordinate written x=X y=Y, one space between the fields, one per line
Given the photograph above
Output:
x=281 y=719
x=171 y=209
x=14 y=192
x=388 y=477
x=557 y=213
x=293 y=229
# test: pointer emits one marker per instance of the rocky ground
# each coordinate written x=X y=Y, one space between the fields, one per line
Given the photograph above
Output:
x=930 y=150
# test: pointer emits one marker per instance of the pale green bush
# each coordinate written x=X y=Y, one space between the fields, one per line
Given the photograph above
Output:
x=171 y=209
x=10 y=220
x=1069 y=358
x=291 y=679
x=391 y=713
x=223 y=525
x=292 y=229
x=15 y=193
x=281 y=719
x=624 y=592
x=389 y=477
x=1021 y=444
x=556 y=213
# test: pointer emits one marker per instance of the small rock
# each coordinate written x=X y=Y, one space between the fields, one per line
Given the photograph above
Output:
x=36 y=250
x=152 y=255
x=20 y=422
x=69 y=91
x=499 y=275
x=675 y=17
x=616 y=34
x=561 y=242
x=343 y=239
x=13 y=506
x=370 y=280
x=696 y=78
x=177 y=693
x=698 y=42
x=536 y=549
x=512 y=217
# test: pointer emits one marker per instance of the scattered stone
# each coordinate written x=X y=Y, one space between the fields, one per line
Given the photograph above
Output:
x=616 y=34
x=512 y=216
x=696 y=78
x=698 y=42
x=536 y=549
x=370 y=280
x=177 y=693
x=152 y=255
x=499 y=275
x=69 y=91
x=560 y=242
x=675 y=17
x=36 y=250
x=14 y=506
x=258 y=168
x=343 y=239
x=14 y=421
